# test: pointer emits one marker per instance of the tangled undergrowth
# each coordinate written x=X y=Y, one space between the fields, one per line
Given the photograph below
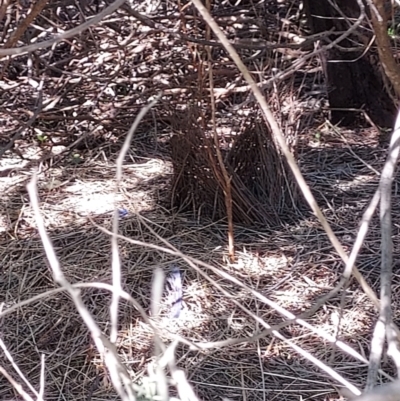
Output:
x=65 y=113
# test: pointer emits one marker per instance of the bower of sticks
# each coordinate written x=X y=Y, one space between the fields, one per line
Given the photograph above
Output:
x=66 y=111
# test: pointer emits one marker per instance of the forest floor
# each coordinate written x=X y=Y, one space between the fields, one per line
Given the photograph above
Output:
x=68 y=109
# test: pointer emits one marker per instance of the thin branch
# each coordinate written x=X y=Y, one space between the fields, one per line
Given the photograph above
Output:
x=116 y=264
x=263 y=45
x=66 y=35
x=111 y=358
x=388 y=392
x=42 y=379
x=384 y=324
x=16 y=368
x=225 y=180
x=16 y=385
x=28 y=124
x=272 y=123
x=23 y=26
x=277 y=334
x=386 y=55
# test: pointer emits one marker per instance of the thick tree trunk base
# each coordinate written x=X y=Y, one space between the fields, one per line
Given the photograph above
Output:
x=354 y=79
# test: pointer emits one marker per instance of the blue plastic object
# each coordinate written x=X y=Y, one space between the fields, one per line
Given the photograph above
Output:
x=122 y=213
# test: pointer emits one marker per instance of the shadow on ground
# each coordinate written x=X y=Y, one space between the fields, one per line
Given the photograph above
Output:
x=291 y=265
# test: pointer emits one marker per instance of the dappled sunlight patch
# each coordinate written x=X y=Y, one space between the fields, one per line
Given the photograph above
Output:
x=187 y=320
x=256 y=263
x=4 y=223
x=199 y=297
x=71 y=129
x=289 y=299
x=237 y=324
x=208 y=313
x=352 y=321
x=358 y=181
x=69 y=197
x=90 y=201
x=345 y=323
x=149 y=169
x=195 y=312
x=8 y=165
x=136 y=337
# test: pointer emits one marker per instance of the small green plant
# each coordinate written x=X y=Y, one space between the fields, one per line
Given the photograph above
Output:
x=76 y=158
x=42 y=138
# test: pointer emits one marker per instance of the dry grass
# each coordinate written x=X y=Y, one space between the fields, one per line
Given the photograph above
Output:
x=75 y=143
x=290 y=265
x=258 y=197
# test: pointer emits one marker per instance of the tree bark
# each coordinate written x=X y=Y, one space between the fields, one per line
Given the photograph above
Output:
x=353 y=76
x=379 y=19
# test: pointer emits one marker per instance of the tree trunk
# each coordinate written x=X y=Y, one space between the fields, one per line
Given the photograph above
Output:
x=354 y=78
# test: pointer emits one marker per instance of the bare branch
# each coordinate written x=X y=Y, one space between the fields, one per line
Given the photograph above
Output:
x=262 y=45
x=16 y=385
x=388 y=392
x=272 y=123
x=111 y=358
x=274 y=332
x=22 y=27
x=69 y=34
x=16 y=368
x=384 y=324
x=386 y=56
x=116 y=265
x=28 y=124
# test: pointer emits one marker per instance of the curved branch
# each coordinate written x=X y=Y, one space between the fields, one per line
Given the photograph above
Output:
x=379 y=23
x=66 y=35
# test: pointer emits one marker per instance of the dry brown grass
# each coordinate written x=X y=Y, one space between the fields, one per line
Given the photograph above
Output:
x=75 y=143
x=290 y=265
